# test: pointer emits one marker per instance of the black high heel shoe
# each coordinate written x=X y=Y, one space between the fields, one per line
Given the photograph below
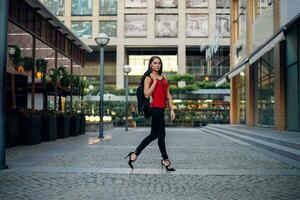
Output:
x=130 y=161
x=168 y=166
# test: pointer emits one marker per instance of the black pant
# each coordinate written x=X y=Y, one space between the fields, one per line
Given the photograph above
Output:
x=157 y=132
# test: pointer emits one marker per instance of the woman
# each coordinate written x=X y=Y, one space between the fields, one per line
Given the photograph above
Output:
x=156 y=86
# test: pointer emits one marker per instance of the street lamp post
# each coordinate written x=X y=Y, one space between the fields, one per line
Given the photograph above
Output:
x=102 y=40
x=126 y=70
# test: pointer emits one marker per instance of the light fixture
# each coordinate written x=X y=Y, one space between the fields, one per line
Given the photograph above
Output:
x=126 y=69
x=102 y=39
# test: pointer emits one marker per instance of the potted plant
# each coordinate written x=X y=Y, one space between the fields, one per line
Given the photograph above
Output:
x=41 y=67
x=28 y=63
x=55 y=75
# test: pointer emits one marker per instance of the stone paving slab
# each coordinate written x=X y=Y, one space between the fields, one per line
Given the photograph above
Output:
x=128 y=186
x=208 y=167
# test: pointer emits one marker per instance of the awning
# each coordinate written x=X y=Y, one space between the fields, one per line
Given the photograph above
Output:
x=221 y=80
x=267 y=46
x=258 y=53
x=238 y=69
x=235 y=71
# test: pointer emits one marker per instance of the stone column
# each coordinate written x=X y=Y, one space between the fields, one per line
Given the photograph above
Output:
x=250 y=110
x=279 y=75
x=234 y=101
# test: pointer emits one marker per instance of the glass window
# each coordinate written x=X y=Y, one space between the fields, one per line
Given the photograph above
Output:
x=291 y=47
x=166 y=3
x=262 y=5
x=82 y=29
x=196 y=25
x=108 y=7
x=242 y=92
x=82 y=7
x=108 y=27
x=220 y=61
x=135 y=3
x=196 y=62
x=57 y=7
x=139 y=63
x=196 y=3
x=166 y=25
x=135 y=25
x=223 y=3
x=223 y=25
x=264 y=90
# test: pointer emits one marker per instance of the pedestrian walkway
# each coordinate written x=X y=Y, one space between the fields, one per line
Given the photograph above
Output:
x=284 y=144
x=209 y=165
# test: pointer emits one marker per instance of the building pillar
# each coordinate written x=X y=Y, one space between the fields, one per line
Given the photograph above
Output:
x=250 y=96
x=234 y=101
x=181 y=63
x=181 y=52
x=3 y=103
x=279 y=75
x=120 y=64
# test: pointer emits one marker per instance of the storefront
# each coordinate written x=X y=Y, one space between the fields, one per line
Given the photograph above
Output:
x=292 y=72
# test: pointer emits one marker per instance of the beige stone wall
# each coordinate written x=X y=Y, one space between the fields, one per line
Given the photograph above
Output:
x=120 y=43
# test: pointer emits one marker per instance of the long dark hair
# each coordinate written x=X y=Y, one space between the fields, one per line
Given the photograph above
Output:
x=149 y=70
x=161 y=64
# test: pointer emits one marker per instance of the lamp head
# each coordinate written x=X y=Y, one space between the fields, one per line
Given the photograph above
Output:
x=126 y=69
x=102 y=39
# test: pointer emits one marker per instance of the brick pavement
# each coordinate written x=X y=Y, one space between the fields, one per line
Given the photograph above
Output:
x=208 y=167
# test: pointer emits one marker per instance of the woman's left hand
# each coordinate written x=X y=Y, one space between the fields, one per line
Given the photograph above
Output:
x=172 y=115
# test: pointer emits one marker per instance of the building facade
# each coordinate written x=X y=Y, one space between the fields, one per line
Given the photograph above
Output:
x=264 y=63
x=191 y=36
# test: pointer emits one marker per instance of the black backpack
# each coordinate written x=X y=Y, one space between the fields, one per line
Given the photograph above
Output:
x=142 y=101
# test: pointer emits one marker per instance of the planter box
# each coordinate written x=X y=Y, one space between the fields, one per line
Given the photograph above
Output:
x=13 y=135
x=63 y=126
x=49 y=127
x=30 y=128
x=82 y=124
x=75 y=123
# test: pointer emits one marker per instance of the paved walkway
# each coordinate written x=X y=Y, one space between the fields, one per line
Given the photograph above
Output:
x=208 y=166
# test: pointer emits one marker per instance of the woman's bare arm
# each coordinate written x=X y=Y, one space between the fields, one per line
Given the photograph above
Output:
x=170 y=101
x=148 y=90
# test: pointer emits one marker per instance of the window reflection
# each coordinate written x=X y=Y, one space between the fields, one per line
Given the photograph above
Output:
x=166 y=3
x=135 y=3
x=242 y=95
x=81 y=7
x=57 y=7
x=264 y=90
x=166 y=25
x=135 y=25
x=196 y=3
x=108 y=7
x=262 y=5
x=196 y=25
x=223 y=3
x=223 y=23
x=108 y=27
x=82 y=29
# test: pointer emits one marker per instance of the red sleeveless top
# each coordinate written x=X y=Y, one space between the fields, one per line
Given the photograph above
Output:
x=159 y=95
